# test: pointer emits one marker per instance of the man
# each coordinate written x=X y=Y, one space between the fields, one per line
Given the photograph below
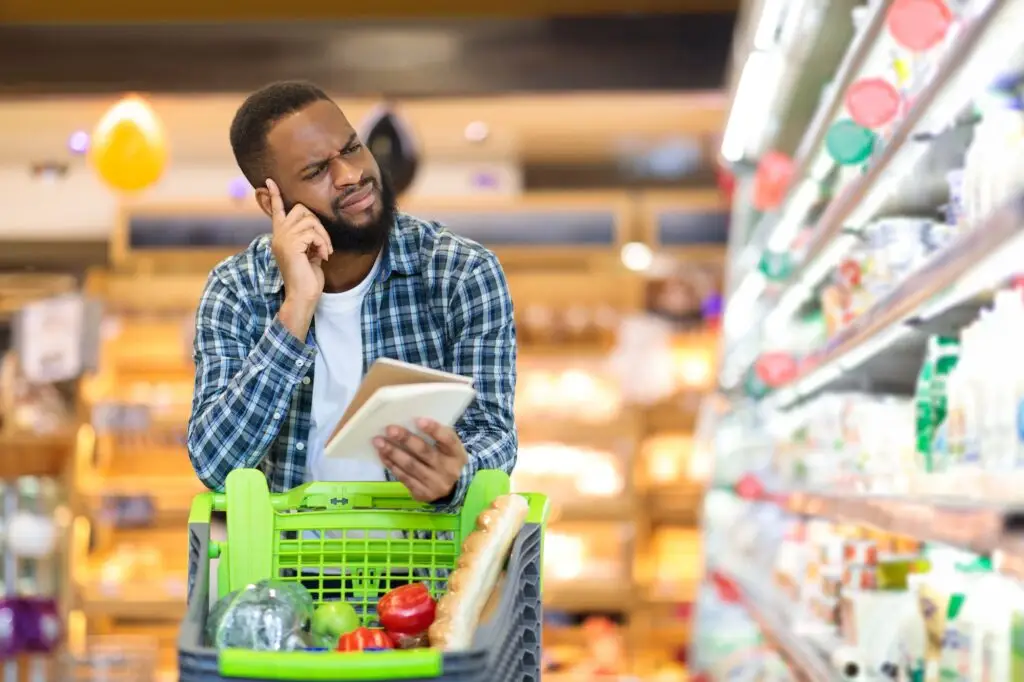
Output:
x=286 y=329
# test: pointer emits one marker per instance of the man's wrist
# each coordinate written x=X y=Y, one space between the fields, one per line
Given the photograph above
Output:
x=296 y=316
x=447 y=499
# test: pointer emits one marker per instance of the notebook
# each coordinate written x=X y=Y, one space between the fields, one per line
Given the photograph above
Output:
x=397 y=393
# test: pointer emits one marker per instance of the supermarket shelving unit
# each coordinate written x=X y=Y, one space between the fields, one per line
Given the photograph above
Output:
x=881 y=350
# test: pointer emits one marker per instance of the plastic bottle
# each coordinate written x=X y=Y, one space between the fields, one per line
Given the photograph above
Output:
x=945 y=362
x=973 y=399
x=961 y=651
x=956 y=402
x=930 y=398
x=998 y=436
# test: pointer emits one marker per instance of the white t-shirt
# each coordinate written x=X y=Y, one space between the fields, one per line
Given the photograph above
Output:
x=338 y=372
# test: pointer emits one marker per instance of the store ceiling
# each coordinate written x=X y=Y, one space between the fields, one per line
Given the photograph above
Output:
x=115 y=11
x=370 y=58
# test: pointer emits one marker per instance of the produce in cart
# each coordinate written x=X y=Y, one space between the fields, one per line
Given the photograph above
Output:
x=267 y=616
x=365 y=639
x=333 y=619
x=406 y=613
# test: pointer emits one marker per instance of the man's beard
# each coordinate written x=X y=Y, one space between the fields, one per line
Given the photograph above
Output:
x=349 y=238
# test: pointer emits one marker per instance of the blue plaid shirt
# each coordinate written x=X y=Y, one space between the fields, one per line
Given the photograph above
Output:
x=438 y=300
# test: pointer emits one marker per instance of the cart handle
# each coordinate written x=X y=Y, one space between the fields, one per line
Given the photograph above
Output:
x=362 y=495
x=409 y=664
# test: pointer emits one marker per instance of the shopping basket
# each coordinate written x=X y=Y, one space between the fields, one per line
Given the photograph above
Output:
x=380 y=535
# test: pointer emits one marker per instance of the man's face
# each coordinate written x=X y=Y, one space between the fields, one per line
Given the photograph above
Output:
x=318 y=161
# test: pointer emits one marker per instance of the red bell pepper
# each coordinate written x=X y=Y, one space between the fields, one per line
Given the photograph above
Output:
x=364 y=638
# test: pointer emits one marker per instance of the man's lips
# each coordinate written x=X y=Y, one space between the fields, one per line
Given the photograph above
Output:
x=359 y=200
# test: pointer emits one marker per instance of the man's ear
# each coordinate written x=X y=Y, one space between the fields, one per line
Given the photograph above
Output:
x=263 y=199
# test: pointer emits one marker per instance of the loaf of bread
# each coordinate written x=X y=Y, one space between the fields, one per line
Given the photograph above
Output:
x=474 y=578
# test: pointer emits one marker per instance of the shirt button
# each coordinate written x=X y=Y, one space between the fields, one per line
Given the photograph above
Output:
x=305 y=380
x=300 y=446
x=300 y=363
x=277 y=415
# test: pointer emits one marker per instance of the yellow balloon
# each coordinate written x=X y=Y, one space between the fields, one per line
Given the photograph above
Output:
x=129 y=146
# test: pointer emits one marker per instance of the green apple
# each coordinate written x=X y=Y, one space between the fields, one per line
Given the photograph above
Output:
x=334 y=619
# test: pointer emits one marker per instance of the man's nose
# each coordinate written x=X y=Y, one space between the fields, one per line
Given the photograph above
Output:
x=344 y=173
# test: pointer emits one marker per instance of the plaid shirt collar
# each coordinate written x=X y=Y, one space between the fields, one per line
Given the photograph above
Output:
x=400 y=256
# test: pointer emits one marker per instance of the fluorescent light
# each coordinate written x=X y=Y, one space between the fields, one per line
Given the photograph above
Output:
x=751 y=104
x=768 y=24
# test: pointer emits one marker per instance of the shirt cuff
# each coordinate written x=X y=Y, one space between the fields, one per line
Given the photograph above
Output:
x=282 y=354
x=452 y=503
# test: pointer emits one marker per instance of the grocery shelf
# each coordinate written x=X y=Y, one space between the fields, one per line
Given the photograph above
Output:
x=933 y=109
x=806 y=659
x=589 y=596
x=149 y=602
x=812 y=143
x=938 y=297
x=981 y=527
x=30 y=454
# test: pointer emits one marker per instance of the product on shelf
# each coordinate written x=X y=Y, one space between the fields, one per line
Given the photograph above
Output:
x=566 y=472
x=575 y=394
x=586 y=553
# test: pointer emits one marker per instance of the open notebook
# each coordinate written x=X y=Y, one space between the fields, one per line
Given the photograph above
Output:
x=397 y=393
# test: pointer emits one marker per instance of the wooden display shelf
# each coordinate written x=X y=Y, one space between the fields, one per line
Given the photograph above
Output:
x=618 y=508
x=674 y=505
x=29 y=454
x=155 y=600
x=589 y=596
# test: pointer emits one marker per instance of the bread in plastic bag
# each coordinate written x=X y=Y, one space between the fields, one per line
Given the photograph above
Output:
x=269 y=615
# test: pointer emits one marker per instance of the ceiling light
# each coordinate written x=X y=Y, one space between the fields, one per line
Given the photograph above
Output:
x=477 y=131
x=637 y=256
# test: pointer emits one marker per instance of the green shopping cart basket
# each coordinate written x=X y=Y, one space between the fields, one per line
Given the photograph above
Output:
x=357 y=540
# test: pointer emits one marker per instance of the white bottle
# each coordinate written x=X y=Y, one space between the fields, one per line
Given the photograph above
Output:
x=970 y=400
x=1000 y=445
x=956 y=405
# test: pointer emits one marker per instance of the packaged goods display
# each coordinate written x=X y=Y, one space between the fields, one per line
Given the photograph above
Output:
x=866 y=519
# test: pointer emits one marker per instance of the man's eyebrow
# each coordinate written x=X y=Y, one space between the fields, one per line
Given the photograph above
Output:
x=313 y=166
x=353 y=139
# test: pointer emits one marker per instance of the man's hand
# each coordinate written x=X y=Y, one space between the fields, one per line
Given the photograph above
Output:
x=429 y=470
x=300 y=245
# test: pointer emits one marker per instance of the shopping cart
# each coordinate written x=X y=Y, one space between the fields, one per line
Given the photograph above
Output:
x=381 y=537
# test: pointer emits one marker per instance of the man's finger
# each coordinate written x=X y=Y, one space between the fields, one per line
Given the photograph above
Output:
x=448 y=442
x=308 y=237
x=302 y=218
x=406 y=467
x=413 y=444
x=412 y=484
x=276 y=202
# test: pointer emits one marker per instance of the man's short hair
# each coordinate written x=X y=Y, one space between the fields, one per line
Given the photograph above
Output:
x=258 y=113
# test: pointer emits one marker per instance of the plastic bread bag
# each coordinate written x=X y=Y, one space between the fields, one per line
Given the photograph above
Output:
x=266 y=616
